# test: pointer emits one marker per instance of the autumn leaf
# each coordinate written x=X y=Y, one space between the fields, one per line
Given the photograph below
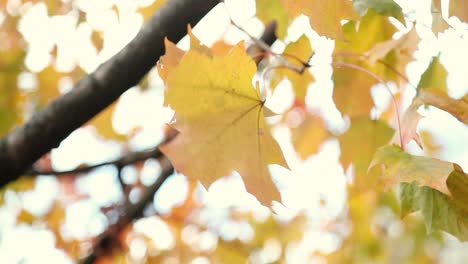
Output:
x=432 y=90
x=48 y=85
x=351 y=83
x=297 y=53
x=403 y=49
x=273 y=10
x=400 y=166
x=359 y=143
x=434 y=77
x=438 y=22
x=220 y=47
x=383 y=7
x=148 y=10
x=325 y=16
x=22 y=184
x=309 y=134
x=103 y=124
x=169 y=60
x=363 y=35
x=457 y=107
x=458 y=8
x=173 y=54
x=219 y=115
x=408 y=125
x=431 y=146
x=351 y=91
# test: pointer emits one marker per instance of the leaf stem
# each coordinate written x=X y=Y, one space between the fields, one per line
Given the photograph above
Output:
x=375 y=76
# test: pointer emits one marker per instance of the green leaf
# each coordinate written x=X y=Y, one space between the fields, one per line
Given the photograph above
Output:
x=383 y=7
x=435 y=76
x=438 y=210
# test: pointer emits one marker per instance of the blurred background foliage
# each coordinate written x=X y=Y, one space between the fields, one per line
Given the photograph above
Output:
x=48 y=45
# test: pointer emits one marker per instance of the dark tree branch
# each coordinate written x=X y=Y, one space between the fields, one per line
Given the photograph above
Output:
x=128 y=159
x=45 y=130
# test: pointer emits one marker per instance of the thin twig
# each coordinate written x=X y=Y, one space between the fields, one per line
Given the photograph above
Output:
x=265 y=47
x=131 y=213
x=119 y=163
x=366 y=57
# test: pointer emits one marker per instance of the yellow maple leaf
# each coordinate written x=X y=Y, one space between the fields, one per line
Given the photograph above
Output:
x=220 y=117
x=173 y=55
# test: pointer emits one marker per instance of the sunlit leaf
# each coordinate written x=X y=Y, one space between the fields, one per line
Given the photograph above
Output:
x=352 y=83
x=103 y=122
x=403 y=49
x=25 y=217
x=458 y=8
x=384 y=7
x=408 y=125
x=324 y=16
x=359 y=144
x=48 y=85
x=457 y=107
x=273 y=10
x=309 y=134
x=432 y=90
x=400 y=166
x=22 y=184
x=148 y=10
x=219 y=115
x=430 y=144
x=297 y=53
x=434 y=77
x=363 y=35
x=173 y=54
x=169 y=60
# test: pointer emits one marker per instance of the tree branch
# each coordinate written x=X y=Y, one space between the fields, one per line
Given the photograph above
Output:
x=46 y=129
x=119 y=163
x=105 y=241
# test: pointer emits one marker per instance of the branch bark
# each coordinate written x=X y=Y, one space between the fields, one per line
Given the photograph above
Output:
x=45 y=130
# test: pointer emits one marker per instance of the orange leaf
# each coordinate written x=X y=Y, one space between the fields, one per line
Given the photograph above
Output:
x=309 y=134
x=325 y=16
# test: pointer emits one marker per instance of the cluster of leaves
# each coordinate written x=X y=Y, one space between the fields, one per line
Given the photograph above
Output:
x=220 y=115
